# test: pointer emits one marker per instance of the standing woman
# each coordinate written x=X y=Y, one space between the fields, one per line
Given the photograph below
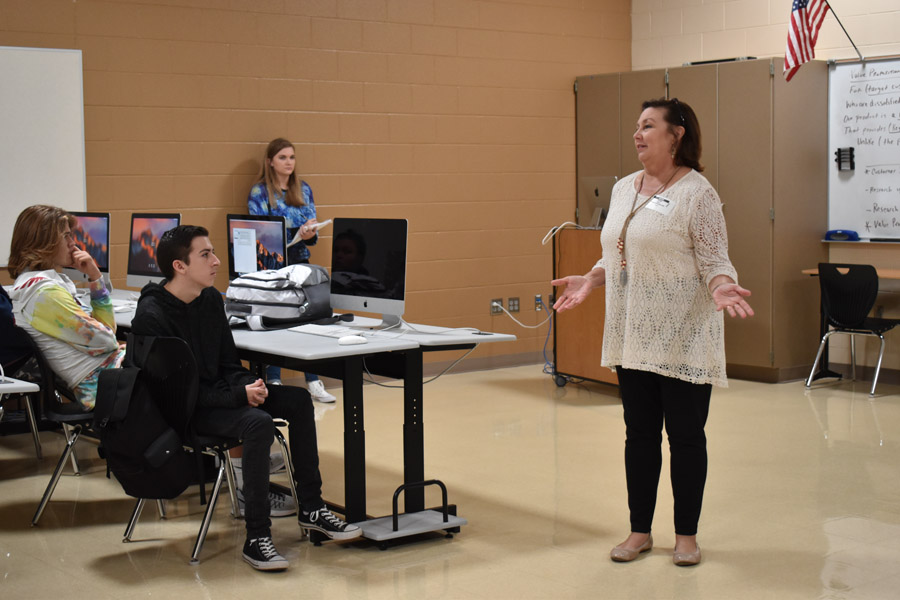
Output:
x=667 y=274
x=76 y=343
x=278 y=191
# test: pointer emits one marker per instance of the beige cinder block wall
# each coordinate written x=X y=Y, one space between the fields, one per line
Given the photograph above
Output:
x=455 y=114
x=668 y=33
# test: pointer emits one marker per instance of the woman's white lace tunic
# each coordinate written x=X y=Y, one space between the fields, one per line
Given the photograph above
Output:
x=663 y=319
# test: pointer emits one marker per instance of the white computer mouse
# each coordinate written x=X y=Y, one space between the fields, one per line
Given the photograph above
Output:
x=350 y=340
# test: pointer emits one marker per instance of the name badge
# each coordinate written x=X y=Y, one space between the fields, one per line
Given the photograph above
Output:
x=661 y=204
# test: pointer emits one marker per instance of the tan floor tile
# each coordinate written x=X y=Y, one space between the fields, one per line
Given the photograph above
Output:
x=801 y=502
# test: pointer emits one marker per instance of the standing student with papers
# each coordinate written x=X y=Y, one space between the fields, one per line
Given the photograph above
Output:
x=278 y=191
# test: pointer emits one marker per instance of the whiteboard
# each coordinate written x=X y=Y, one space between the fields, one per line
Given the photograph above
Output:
x=864 y=113
x=41 y=133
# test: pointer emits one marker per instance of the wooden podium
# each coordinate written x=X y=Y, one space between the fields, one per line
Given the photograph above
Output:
x=578 y=333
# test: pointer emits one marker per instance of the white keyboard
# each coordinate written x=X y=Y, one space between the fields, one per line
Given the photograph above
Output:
x=332 y=331
x=123 y=305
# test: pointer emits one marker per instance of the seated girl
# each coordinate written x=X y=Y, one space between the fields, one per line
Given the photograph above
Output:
x=77 y=341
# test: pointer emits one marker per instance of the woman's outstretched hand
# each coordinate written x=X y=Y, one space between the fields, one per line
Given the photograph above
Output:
x=730 y=296
x=575 y=288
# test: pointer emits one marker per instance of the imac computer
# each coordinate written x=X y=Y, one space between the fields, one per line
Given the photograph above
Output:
x=146 y=229
x=91 y=234
x=368 y=267
x=255 y=243
x=593 y=200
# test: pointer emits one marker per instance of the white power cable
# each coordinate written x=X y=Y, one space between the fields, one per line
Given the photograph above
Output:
x=520 y=323
x=371 y=378
x=554 y=230
x=446 y=331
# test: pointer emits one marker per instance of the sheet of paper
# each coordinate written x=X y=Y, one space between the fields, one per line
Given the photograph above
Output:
x=297 y=237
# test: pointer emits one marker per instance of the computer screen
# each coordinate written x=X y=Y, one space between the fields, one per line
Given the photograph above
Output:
x=146 y=229
x=368 y=267
x=593 y=200
x=91 y=235
x=255 y=243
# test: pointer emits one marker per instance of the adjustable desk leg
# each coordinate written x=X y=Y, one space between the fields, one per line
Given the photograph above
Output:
x=354 y=441
x=413 y=430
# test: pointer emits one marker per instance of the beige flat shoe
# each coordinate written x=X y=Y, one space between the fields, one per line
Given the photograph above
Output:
x=687 y=559
x=620 y=554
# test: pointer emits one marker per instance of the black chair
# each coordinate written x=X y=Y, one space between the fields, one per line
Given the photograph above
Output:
x=848 y=295
x=69 y=414
x=219 y=448
x=208 y=445
x=170 y=363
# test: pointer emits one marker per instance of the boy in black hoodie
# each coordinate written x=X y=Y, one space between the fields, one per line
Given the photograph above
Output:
x=232 y=401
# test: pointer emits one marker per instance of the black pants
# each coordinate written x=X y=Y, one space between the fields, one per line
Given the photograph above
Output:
x=651 y=400
x=255 y=428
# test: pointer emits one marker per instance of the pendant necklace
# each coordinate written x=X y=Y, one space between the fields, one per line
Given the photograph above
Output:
x=620 y=243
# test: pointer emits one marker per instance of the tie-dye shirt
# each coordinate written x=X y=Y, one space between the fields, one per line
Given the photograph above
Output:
x=77 y=344
x=294 y=216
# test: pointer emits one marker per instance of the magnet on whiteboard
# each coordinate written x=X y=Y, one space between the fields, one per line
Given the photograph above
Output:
x=844 y=157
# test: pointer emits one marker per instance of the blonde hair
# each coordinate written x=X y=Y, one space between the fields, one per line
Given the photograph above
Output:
x=292 y=195
x=36 y=237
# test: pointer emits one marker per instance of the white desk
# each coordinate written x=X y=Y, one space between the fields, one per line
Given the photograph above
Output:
x=390 y=355
x=301 y=346
x=8 y=385
x=394 y=354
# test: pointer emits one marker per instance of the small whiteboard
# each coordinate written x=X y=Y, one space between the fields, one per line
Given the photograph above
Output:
x=864 y=114
x=41 y=133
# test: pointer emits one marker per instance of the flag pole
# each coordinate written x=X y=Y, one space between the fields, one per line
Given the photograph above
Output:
x=858 y=53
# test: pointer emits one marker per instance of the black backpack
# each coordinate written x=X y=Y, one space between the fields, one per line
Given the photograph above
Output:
x=143 y=414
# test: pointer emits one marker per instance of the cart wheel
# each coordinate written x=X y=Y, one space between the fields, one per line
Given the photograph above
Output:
x=383 y=546
x=561 y=381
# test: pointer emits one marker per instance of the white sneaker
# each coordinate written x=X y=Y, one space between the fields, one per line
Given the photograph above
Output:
x=276 y=463
x=318 y=392
x=280 y=505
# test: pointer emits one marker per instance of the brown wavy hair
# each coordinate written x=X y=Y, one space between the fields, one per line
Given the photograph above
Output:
x=292 y=195
x=36 y=237
x=680 y=114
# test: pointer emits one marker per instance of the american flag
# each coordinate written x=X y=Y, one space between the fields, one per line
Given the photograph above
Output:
x=806 y=19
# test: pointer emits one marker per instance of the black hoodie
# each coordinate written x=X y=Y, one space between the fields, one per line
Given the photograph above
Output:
x=203 y=325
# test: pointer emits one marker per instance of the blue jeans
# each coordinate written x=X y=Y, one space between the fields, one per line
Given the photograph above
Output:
x=254 y=427
x=275 y=373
